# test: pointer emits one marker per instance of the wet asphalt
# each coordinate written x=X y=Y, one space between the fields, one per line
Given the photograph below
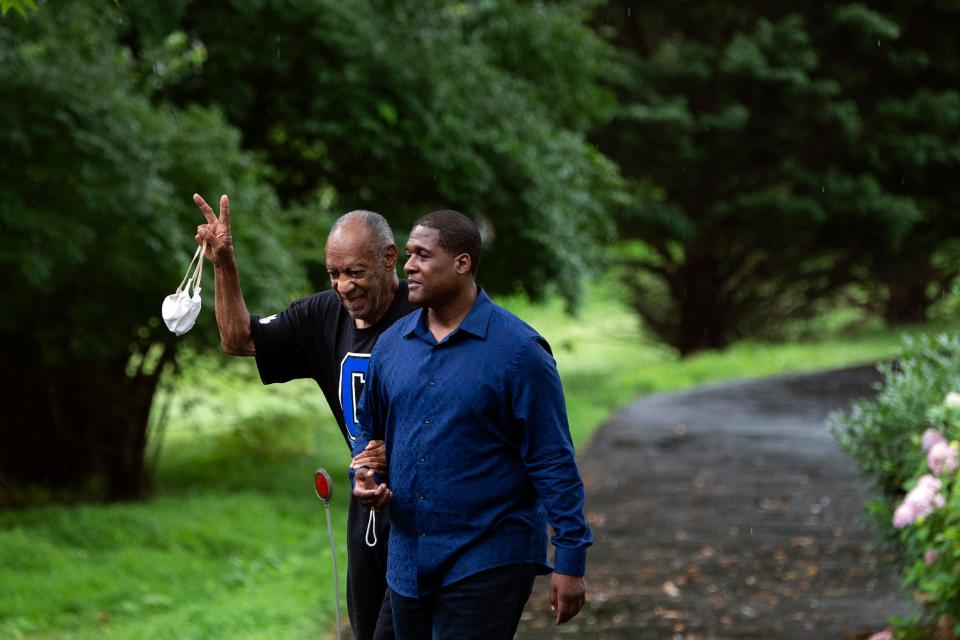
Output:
x=729 y=512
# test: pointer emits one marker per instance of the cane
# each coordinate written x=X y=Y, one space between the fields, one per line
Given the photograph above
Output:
x=323 y=485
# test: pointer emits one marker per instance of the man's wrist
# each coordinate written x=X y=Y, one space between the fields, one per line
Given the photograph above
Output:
x=226 y=263
x=570 y=561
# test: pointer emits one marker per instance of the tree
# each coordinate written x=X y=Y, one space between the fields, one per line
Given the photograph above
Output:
x=405 y=107
x=899 y=66
x=97 y=227
x=115 y=115
x=747 y=135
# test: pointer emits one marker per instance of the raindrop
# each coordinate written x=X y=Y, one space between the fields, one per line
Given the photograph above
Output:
x=628 y=12
x=878 y=44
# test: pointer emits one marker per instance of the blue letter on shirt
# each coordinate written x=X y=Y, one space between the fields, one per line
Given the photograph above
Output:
x=353 y=375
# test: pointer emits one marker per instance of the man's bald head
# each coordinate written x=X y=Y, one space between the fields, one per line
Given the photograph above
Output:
x=380 y=235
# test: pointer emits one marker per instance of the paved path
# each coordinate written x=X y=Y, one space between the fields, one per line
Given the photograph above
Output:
x=729 y=512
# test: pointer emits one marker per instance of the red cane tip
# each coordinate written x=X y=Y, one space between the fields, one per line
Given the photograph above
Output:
x=323 y=485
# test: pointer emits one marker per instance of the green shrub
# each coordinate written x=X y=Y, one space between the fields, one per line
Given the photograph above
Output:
x=906 y=437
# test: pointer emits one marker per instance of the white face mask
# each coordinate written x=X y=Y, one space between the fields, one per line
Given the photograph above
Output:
x=180 y=309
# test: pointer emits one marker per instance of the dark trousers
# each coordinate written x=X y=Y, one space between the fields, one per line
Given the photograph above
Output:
x=486 y=605
x=368 y=598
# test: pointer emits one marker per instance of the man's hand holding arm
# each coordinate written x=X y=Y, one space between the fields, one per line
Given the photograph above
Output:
x=368 y=492
x=370 y=455
x=233 y=320
x=373 y=456
x=365 y=466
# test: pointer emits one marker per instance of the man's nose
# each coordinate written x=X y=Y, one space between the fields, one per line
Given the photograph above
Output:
x=344 y=285
x=409 y=266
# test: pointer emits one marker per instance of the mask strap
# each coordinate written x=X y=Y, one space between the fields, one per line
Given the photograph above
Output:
x=371 y=529
x=199 y=272
x=190 y=266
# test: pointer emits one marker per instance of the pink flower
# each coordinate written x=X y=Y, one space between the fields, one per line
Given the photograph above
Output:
x=942 y=458
x=927 y=484
x=904 y=515
x=920 y=502
x=931 y=437
x=930 y=556
x=886 y=634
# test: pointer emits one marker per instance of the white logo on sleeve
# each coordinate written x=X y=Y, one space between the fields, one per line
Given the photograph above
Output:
x=268 y=319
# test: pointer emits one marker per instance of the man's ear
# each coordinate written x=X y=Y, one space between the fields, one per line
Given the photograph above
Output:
x=390 y=257
x=463 y=263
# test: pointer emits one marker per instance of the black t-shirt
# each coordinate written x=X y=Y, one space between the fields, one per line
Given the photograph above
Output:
x=316 y=338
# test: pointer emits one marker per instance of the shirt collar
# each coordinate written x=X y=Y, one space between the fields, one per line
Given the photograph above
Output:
x=479 y=317
x=475 y=323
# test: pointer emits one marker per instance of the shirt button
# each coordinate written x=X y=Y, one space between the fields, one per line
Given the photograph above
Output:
x=422 y=497
x=423 y=533
x=423 y=459
x=426 y=421
x=431 y=383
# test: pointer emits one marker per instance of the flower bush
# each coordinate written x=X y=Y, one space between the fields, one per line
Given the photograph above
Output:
x=907 y=438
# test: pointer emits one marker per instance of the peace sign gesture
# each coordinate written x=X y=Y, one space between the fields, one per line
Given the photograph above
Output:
x=216 y=233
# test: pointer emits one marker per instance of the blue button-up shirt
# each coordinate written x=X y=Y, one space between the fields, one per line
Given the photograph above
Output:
x=478 y=448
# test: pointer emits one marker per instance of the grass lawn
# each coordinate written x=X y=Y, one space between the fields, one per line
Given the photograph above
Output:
x=233 y=545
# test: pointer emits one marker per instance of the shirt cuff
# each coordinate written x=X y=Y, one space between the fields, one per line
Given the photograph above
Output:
x=570 y=561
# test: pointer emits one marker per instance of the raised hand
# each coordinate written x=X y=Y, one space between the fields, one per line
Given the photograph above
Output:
x=216 y=233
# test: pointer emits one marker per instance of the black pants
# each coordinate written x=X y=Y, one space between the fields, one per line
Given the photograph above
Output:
x=368 y=598
x=484 y=606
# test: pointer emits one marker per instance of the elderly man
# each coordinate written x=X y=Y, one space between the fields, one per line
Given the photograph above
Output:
x=469 y=401
x=328 y=337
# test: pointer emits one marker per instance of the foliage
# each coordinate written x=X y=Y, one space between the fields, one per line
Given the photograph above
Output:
x=882 y=434
x=892 y=439
x=95 y=198
x=898 y=66
x=98 y=225
x=332 y=105
x=404 y=107
x=776 y=153
x=20 y=6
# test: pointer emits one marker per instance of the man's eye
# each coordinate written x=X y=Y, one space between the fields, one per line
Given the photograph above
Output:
x=333 y=274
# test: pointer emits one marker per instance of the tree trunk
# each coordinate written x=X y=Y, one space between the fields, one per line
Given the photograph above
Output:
x=78 y=429
x=703 y=321
x=907 y=300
